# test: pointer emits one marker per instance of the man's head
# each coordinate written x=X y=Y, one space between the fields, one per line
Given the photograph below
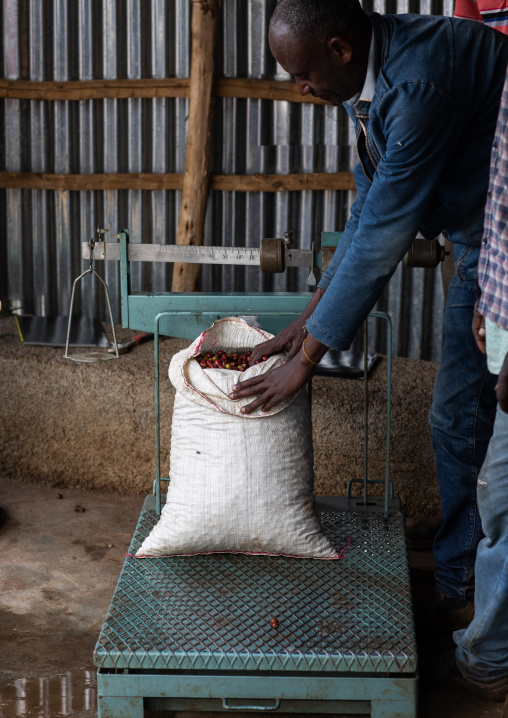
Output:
x=323 y=44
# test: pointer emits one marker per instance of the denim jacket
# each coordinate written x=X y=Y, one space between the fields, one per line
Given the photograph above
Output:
x=424 y=146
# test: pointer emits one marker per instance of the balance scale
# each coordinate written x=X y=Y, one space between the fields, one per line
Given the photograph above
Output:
x=194 y=632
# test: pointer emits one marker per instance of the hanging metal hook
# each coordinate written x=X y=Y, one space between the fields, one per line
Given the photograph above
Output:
x=92 y=356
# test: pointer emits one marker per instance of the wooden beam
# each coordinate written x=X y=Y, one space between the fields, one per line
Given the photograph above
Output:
x=198 y=149
x=284 y=183
x=89 y=182
x=94 y=89
x=170 y=87
x=172 y=181
x=263 y=90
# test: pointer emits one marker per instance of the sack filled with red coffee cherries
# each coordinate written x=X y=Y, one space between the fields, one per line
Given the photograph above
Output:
x=238 y=360
x=238 y=482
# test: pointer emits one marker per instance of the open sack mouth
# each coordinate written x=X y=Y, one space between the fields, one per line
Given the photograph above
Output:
x=238 y=483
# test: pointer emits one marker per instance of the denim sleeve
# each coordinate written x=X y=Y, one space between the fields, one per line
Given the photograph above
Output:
x=422 y=126
x=362 y=187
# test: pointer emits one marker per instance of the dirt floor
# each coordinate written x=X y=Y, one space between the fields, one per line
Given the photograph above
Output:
x=62 y=551
x=91 y=426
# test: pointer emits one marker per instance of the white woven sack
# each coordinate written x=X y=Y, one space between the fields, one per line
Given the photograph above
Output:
x=239 y=483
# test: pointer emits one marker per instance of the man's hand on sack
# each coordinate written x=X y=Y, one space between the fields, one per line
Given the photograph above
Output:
x=292 y=336
x=280 y=384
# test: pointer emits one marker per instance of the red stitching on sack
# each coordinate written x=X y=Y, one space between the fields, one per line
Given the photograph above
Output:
x=345 y=548
x=228 y=319
x=247 y=553
x=204 y=334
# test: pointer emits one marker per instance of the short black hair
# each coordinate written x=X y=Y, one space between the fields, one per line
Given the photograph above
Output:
x=321 y=19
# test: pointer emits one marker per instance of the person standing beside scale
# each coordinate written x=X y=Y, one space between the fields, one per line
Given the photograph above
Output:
x=424 y=134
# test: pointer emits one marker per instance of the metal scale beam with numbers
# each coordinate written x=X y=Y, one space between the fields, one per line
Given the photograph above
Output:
x=187 y=314
x=190 y=632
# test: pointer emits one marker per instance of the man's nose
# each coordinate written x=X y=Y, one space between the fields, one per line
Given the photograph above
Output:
x=302 y=86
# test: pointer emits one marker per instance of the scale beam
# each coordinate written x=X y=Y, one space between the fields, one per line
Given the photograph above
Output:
x=248 y=256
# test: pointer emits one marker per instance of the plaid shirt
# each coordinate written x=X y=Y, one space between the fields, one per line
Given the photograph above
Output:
x=493 y=13
x=493 y=262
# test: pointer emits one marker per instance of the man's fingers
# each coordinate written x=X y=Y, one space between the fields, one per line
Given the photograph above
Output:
x=254 y=405
x=249 y=382
x=272 y=346
x=245 y=388
x=268 y=405
x=261 y=350
x=255 y=356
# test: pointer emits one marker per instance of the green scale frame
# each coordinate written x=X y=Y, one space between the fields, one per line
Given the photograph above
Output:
x=195 y=632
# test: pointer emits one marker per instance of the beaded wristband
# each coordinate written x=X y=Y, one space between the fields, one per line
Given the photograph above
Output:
x=303 y=350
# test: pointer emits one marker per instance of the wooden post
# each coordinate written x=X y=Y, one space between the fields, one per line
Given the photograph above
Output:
x=196 y=181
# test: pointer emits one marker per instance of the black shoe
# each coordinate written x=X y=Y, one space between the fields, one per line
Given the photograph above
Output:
x=444 y=670
x=496 y=691
x=451 y=614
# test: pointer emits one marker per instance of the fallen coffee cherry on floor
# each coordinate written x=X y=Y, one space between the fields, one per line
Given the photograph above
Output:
x=236 y=361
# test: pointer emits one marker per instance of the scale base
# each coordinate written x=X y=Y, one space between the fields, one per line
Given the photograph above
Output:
x=194 y=633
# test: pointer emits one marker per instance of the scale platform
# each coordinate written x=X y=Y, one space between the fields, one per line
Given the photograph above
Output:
x=194 y=632
x=189 y=633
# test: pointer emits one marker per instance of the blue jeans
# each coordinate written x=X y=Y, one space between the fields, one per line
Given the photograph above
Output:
x=461 y=421
x=482 y=648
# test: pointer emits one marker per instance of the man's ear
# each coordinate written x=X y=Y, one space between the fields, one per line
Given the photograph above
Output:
x=341 y=49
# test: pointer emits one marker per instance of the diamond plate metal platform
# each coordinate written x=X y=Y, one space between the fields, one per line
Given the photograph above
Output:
x=209 y=615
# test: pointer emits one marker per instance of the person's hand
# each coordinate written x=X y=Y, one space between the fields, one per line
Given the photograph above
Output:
x=292 y=336
x=274 y=386
x=478 y=327
x=279 y=384
x=502 y=386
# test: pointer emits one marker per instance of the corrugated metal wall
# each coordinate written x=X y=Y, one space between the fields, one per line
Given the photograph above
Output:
x=41 y=230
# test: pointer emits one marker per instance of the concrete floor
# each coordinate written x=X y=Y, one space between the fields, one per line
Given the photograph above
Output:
x=62 y=551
